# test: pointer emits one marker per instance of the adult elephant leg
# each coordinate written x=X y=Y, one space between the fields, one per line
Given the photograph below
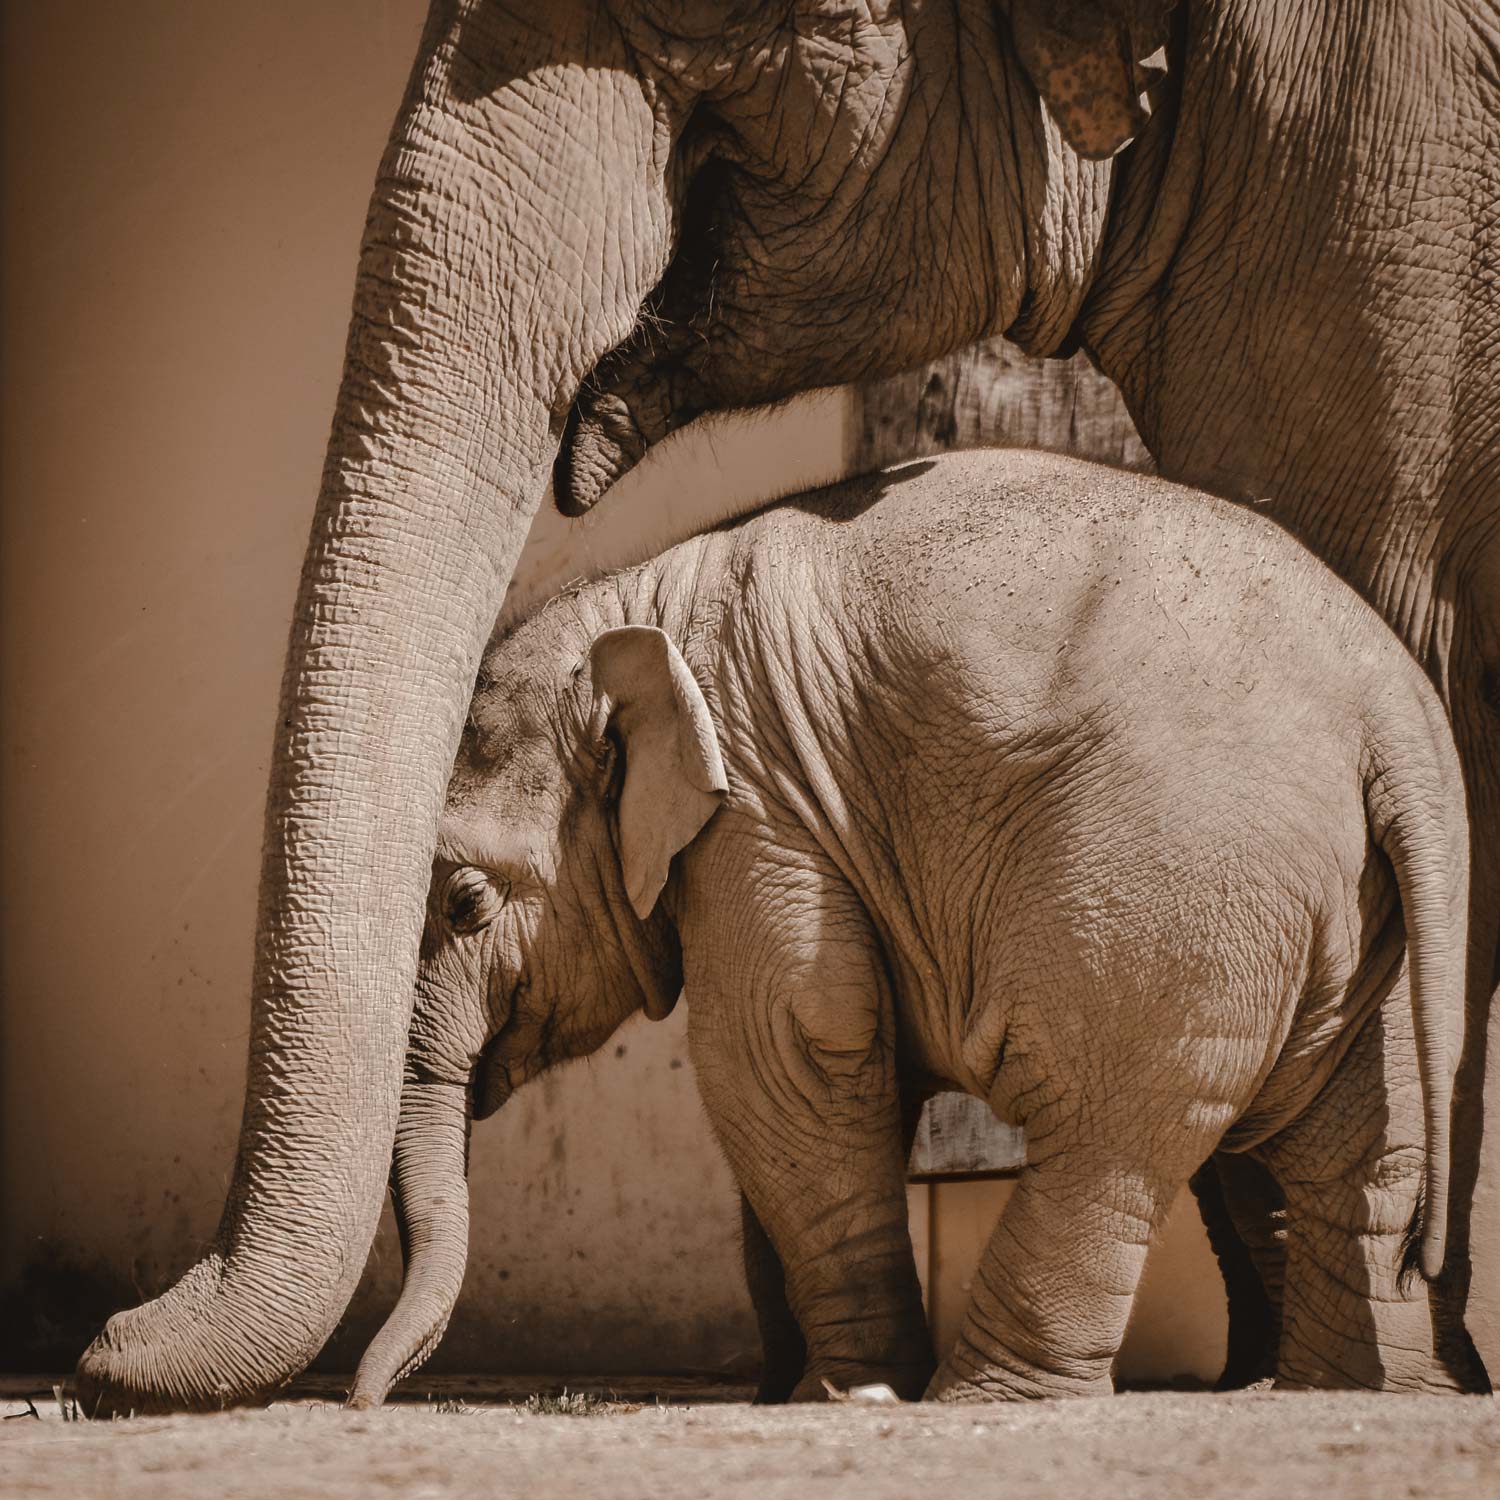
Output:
x=520 y=217
x=1244 y=1215
x=1462 y=654
x=1354 y=1312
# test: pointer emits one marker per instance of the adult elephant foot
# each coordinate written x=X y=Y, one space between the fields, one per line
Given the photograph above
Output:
x=780 y=1373
x=986 y=1386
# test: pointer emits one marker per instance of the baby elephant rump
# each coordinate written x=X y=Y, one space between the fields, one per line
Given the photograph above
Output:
x=1082 y=792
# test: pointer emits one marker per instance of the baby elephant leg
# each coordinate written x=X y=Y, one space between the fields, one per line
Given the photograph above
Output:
x=783 y=1349
x=1055 y=1285
x=1356 y=1312
x=793 y=1039
x=830 y=1190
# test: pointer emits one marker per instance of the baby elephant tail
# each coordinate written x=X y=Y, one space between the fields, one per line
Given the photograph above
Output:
x=1414 y=800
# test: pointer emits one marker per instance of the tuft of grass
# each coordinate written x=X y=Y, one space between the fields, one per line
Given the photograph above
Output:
x=68 y=1406
x=568 y=1404
x=453 y=1407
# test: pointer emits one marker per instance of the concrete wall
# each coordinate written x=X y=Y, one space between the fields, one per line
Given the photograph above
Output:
x=184 y=187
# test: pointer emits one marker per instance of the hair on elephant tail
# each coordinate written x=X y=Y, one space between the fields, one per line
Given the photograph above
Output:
x=429 y=1183
x=1411 y=1246
x=1414 y=802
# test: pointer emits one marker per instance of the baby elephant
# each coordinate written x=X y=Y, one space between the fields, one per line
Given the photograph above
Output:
x=1085 y=793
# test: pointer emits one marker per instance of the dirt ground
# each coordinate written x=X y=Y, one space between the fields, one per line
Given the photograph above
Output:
x=1154 y=1446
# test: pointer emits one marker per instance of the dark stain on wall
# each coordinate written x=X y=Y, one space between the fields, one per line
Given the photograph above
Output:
x=51 y=1312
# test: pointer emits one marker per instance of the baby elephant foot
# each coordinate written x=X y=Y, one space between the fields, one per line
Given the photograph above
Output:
x=959 y=1392
x=972 y=1383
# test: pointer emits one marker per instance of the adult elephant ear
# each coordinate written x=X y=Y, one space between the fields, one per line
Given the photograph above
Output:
x=674 y=776
x=1094 y=62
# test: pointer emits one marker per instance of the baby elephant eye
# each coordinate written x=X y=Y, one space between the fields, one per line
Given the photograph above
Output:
x=471 y=900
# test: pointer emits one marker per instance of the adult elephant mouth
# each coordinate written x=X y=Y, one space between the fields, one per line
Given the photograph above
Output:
x=654 y=383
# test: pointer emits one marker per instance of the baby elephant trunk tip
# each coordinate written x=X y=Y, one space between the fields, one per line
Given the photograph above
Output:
x=429 y=1185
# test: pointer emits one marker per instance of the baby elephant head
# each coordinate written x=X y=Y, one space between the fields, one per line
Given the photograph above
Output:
x=583 y=769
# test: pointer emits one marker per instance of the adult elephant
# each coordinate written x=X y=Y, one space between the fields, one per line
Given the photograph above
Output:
x=682 y=205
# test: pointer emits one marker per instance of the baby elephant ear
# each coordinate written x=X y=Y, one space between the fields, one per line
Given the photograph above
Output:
x=674 y=776
x=1093 y=62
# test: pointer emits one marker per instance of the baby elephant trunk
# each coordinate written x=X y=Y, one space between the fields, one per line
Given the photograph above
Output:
x=429 y=1182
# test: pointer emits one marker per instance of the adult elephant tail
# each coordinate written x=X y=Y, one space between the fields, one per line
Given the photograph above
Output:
x=429 y=1181
x=1414 y=801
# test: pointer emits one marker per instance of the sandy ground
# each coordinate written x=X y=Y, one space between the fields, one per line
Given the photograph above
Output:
x=1155 y=1445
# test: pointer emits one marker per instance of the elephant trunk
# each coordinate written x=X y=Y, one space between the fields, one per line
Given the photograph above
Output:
x=494 y=272
x=429 y=1184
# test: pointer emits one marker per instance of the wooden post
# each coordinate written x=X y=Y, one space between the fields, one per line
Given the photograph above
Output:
x=988 y=395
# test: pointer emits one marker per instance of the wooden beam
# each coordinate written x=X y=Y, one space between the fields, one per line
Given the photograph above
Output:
x=958 y=1136
x=991 y=395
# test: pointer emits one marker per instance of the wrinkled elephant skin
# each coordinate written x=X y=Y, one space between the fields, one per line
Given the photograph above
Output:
x=583 y=234
x=1056 y=784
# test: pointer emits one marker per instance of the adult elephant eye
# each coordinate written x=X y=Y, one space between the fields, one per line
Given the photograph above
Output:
x=471 y=900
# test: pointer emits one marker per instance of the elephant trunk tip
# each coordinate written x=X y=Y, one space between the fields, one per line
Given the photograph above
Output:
x=399 y=1348
x=142 y=1362
x=378 y=1371
x=204 y=1345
